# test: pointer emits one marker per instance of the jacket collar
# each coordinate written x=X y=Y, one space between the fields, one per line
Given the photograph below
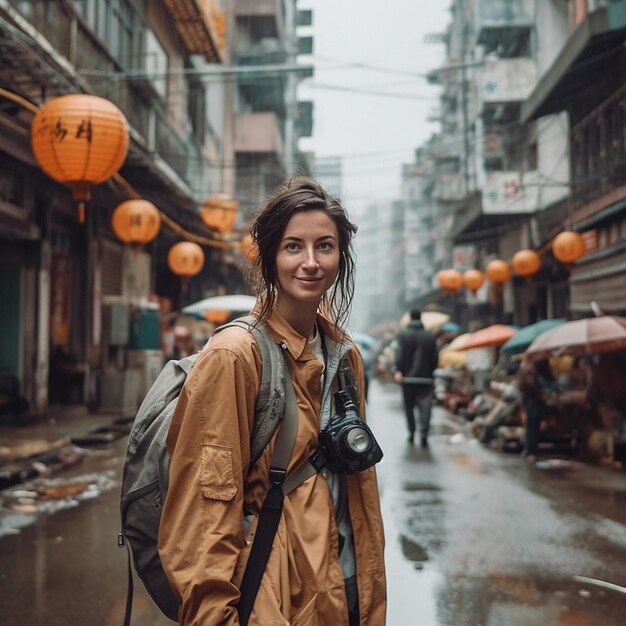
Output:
x=416 y=324
x=283 y=333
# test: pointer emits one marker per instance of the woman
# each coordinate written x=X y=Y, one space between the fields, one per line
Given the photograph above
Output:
x=326 y=565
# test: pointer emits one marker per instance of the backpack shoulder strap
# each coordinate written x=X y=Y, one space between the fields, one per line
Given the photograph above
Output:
x=270 y=404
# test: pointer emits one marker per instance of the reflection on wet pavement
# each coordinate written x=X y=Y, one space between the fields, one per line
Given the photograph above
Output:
x=513 y=601
x=481 y=538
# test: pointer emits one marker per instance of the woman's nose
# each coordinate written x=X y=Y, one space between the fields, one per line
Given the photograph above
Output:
x=310 y=261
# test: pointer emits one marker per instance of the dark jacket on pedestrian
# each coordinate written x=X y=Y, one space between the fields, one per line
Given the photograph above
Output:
x=417 y=351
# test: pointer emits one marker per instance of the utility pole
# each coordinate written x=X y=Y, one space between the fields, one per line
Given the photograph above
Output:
x=291 y=42
x=466 y=147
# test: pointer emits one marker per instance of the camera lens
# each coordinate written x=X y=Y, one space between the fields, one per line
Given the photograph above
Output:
x=358 y=440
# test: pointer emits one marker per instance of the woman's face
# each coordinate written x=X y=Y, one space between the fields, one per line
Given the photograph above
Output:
x=307 y=260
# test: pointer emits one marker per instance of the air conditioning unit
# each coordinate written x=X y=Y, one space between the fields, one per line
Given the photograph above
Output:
x=119 y=390
x=149 y=363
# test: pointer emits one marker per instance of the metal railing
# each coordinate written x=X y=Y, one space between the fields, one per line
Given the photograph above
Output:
x=598 y=150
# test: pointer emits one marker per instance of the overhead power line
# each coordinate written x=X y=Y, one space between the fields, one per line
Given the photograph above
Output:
x=209 y=70
x=370 y=92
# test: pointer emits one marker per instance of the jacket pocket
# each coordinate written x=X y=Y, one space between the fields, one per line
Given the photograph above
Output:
x=216 y=473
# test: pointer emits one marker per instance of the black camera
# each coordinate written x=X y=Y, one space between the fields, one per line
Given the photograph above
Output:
x=347 y=445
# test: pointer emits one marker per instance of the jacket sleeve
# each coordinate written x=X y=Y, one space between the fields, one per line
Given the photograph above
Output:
x=400 y=350
x=201 y=530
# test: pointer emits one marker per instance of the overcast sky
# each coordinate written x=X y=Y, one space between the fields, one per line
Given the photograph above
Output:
x=374 y=134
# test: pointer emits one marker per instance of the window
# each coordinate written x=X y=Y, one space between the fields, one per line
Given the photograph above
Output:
x=114 y=22
x=155 y=63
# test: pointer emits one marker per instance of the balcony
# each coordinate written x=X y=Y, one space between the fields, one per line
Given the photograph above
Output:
x=263 y=17
x=598 y=151
x=449 y=188
x=505 y=26
x=258 y=133
x=201 y=26
x=593 y=48
x=448 y=146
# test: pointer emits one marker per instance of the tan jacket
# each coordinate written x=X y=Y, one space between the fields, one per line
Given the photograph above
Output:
x=201 y=542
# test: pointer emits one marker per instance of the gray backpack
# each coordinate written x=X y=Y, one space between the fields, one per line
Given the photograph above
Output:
x=145 y=476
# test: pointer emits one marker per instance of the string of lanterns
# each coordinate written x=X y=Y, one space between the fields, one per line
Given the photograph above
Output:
x=82 y=140
x=567 y=247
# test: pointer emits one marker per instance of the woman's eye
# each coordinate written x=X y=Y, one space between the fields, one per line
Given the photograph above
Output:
x=325 y=245
x=291 y=246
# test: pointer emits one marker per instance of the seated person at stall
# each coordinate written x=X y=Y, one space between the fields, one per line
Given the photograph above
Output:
x=535 y=382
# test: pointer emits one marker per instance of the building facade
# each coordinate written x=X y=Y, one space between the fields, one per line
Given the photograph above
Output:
x=78 y=305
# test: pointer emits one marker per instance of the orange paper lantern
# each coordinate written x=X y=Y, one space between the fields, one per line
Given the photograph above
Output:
x=136 y=221
x=80 y=140
x=526 y=262
x=249 y=248
x=185 y=258
x=498 y=271
x=568 y=246
x=473 y=280
x=450 y=279
x=219 y=213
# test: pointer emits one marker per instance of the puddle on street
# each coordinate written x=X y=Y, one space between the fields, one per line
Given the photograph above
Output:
x=413 y=551
x=22 y=505
x=420 y=487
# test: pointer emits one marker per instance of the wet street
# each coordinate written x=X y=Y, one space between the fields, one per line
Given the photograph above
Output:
x=479 y=538
x=474 y=538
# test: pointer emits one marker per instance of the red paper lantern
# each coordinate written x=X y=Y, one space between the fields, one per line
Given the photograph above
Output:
x=498 y=271
x=568 y=246
x=526 y=262
x=473 y=280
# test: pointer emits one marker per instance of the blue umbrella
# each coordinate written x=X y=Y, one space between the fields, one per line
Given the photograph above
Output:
x=450 y=327
x=364 y=341
x=526 y=335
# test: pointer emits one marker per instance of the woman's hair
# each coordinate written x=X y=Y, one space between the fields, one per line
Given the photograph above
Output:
x=293 y=196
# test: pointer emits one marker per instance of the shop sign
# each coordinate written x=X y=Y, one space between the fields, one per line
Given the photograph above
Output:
x=60 y=299
x=464 y=257
x=507 y=80
x=509 y=192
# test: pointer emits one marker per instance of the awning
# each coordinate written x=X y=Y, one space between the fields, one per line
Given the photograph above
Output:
x=197 y=25
x=587 y=51
x=601 y=216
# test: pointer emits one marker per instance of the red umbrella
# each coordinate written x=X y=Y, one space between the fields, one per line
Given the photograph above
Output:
x=587 y=336
x=494 y=335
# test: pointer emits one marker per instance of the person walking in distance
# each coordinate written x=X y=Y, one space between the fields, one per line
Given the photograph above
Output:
x=416 y=361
